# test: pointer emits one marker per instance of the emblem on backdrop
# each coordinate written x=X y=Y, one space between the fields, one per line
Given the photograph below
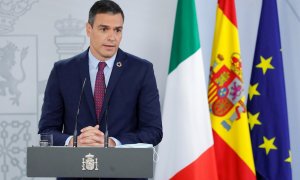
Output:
x=10 y=11
x=18 y=72
x=69 y=42
x=8 y=59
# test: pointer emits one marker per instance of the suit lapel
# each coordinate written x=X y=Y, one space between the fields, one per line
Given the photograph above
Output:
x=84 y=73
x=119 y=66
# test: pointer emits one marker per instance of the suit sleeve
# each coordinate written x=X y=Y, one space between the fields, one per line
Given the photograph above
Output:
x=53 y=110
x=148 y=112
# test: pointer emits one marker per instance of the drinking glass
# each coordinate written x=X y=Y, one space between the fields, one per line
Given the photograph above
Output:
x=46 y=139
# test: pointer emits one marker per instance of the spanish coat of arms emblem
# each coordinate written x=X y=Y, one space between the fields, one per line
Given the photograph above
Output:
x=89 y=162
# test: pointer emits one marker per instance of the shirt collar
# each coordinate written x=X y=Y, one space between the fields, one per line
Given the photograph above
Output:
x=93 y=61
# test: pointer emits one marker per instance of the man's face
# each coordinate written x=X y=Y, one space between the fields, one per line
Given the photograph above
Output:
x=105 y=35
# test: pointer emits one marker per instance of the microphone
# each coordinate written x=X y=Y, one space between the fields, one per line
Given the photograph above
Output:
x=76 y=119
x=106 y=134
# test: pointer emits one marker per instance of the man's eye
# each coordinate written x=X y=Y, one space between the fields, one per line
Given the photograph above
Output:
x=118 y=30
x=103 y=29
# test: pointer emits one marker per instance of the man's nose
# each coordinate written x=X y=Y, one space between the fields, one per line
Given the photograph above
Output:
x=111 y=36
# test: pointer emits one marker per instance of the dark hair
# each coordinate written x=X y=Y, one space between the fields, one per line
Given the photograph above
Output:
x=103 y=7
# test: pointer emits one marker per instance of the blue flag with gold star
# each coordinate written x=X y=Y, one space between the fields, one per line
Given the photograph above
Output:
x=267 y=107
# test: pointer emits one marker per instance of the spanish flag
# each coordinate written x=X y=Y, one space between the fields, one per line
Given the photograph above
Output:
x=227 y=100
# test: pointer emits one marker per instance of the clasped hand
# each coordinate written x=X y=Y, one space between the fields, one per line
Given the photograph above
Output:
x=92 y=136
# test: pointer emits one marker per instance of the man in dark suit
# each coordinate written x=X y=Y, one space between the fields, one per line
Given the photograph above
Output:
x=129 y=95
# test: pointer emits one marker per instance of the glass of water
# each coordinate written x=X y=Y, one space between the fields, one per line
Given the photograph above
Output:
x=46 y=139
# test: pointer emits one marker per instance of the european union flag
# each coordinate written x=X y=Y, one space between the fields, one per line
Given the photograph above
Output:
x=267 y=107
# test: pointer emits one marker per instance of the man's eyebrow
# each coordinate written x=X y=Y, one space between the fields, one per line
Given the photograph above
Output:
x=106 y=26
x=102 y=25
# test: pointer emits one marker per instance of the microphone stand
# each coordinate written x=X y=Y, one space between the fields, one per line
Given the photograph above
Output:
x=76 y=119
x=106 y=138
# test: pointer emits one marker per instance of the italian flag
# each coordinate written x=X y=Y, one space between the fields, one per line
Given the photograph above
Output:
x=187 y=149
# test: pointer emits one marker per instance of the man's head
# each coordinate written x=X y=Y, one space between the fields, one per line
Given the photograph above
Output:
x=104 y=28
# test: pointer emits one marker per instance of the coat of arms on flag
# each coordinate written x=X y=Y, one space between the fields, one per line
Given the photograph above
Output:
x=225 y=90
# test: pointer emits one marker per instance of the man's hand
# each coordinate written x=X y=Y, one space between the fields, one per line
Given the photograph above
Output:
x=92 y=136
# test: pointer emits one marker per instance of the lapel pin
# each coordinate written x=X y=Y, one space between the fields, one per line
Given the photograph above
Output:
x=119 y=64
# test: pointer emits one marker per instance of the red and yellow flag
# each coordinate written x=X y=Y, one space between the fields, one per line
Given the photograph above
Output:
x=227 y=101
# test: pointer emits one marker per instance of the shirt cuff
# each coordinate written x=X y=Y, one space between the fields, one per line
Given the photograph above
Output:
x=118 y=143
x=68 y=140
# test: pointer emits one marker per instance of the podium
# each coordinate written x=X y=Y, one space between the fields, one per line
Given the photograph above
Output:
x=89 y=162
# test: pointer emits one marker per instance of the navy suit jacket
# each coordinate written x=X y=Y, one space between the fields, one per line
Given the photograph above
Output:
x=131 y=100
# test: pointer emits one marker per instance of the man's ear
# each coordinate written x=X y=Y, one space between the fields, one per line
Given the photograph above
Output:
x=88 y=29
